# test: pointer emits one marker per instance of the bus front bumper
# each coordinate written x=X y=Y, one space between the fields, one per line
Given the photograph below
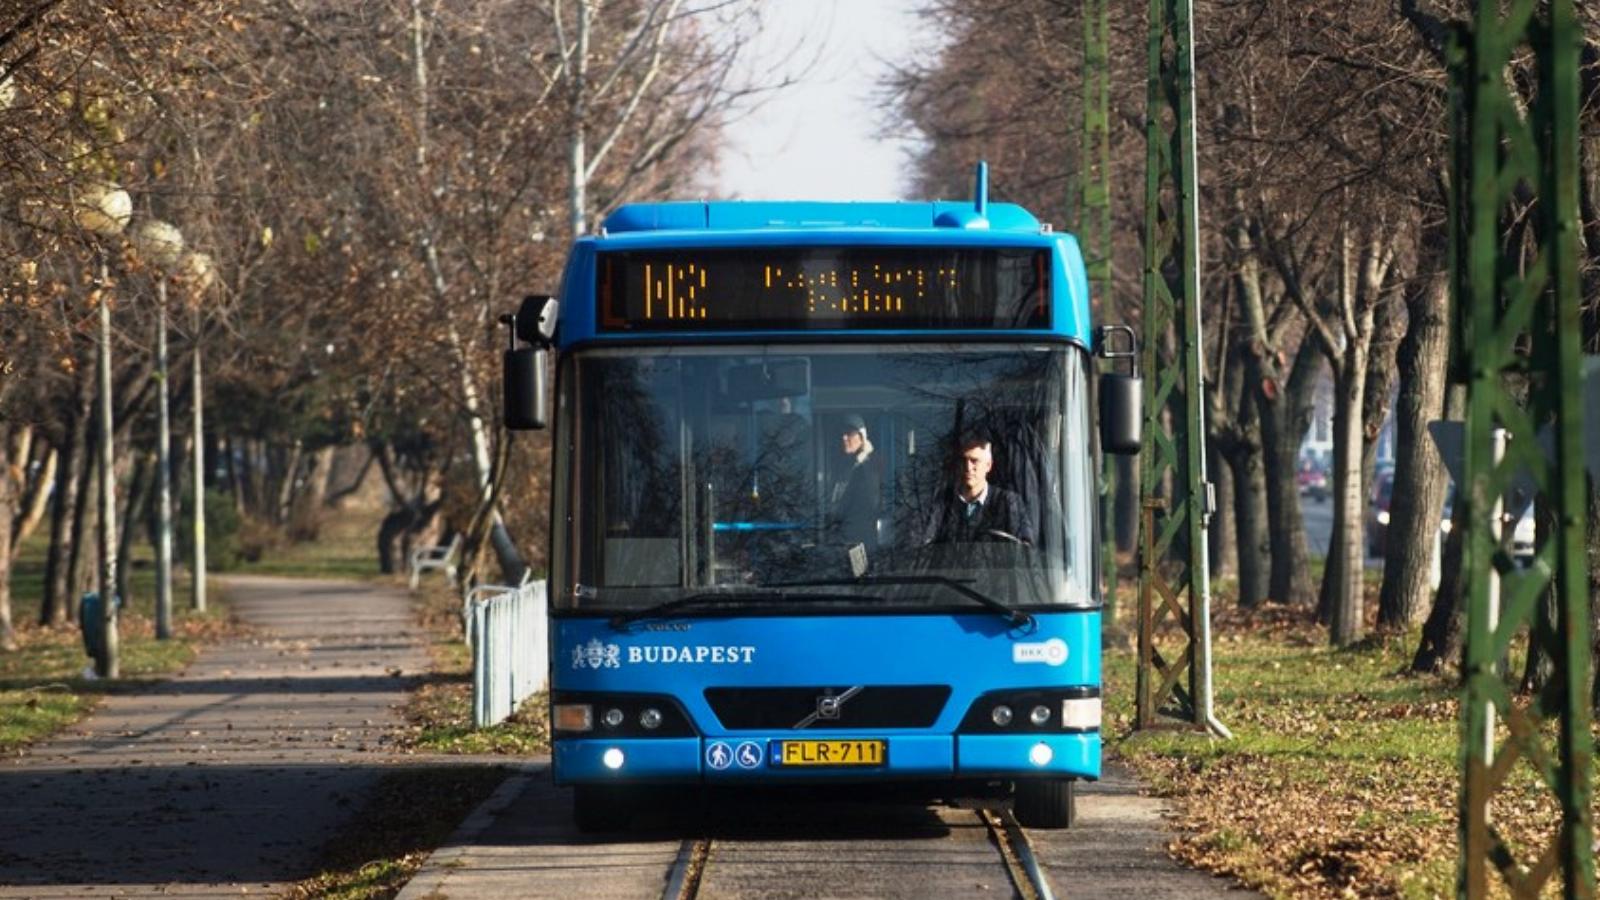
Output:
x=756 y=758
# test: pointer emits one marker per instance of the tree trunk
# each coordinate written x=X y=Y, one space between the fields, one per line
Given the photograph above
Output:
x=1224 y=555
x=1285 y=416
x=85 y=523
x=132 y=509
x=341 y=482
x=1381 y=377
x=1346 y=549
x=8 y=502
x=1250 y=508
x=57 y=601
x=34 y=500
x=1441 y=633
x=291 y=468
x=1419 y=476
x=306 y=506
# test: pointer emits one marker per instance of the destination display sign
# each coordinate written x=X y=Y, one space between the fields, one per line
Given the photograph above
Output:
x=854 y=287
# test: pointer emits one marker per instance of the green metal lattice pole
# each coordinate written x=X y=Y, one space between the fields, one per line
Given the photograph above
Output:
x=1504 y=299
x=1173 y=563
x=1094 y=233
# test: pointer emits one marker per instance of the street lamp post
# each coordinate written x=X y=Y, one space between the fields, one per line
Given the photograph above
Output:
x=103 y=210
x=162 y=244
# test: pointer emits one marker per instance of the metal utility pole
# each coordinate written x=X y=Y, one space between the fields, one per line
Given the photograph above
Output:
x=1094 y=235
x=1505 y=150
x=197 y=571
x=164 y=469
x=108 y=665
x=1173 y=561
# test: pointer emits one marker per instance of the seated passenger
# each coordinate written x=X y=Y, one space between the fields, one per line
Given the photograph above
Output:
x=975 y=510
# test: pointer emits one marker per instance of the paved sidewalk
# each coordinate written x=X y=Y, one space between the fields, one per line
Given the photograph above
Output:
x=228 y=779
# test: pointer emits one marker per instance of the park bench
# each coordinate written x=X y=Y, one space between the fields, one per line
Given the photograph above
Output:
x=442 y=558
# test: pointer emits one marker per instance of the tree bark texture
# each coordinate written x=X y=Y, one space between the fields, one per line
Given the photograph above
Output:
x=1346 y=549
x=1420 y=479
x=1285 y=416
x=85 y=523
x=1441 y=634
x=56 y=605
x=10 y=475
x=1224 y=553
x=1253 y=543
x=34 y=500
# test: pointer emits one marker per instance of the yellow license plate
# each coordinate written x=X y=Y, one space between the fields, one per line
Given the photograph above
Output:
x=831 y=753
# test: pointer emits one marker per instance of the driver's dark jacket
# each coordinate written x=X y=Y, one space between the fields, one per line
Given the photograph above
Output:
x=1002 y=510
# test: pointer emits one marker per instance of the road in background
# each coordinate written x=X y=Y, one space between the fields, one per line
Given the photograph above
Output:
x=1318 y=519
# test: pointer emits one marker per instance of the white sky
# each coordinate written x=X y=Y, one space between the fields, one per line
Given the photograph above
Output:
x=825 y=138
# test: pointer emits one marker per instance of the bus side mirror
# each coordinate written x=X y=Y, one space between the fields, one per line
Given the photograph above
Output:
x=525 y=388
x=1121 y=396
x=525 y=367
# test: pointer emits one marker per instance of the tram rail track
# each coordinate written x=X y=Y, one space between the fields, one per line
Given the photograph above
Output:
x=683 y=879
x=1027 y=875
x=1028 y=879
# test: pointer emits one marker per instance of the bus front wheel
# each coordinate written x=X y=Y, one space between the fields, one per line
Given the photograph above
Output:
x=597 y=808
x=1046 y=803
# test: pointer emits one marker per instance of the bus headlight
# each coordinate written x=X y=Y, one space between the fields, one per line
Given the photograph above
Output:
x=1080 y=712
x=650 y=718
x=573 y=717
x=612 y=718
x=1034 y=711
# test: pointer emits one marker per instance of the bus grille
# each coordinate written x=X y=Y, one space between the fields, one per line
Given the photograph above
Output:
x=828 y=707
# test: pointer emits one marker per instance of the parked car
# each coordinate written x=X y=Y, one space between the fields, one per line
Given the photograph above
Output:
x=1313 y=481
x=1378 y=511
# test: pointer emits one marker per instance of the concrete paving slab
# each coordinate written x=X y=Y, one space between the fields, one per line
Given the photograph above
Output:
x=229 y=778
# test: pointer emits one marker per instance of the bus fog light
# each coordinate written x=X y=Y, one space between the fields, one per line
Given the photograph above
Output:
x=574 y=717
x=1082 y=712
x=650 y=718
x=1040 y=715
x=1041 y=754
x=612 y=718
x=612 y=758
x=1001 y=715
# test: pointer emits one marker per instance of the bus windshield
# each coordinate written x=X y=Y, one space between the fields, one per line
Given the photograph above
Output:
x=880 y=476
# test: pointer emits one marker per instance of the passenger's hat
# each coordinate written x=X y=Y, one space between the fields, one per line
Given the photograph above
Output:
x=854 y=422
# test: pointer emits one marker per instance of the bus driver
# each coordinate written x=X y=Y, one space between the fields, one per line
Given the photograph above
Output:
x=976 y=510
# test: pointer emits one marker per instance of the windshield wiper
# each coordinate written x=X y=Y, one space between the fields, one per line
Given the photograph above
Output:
x=718 y=598
x=1016 y=617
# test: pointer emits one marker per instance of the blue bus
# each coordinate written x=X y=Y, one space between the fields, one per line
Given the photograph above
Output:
x=823 y=501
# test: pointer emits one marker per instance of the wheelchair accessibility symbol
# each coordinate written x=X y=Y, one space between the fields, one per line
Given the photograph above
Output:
x=719 y=756
x=749 y=755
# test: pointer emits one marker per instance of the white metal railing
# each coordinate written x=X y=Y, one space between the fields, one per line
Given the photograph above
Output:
x=508 y=630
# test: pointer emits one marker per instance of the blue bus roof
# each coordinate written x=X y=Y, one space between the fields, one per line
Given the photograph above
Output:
x=737 y=215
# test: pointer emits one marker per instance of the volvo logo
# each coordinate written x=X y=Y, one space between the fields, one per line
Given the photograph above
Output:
x=829 y=707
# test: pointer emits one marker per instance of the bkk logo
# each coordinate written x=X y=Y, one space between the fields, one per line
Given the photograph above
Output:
x=1052 y=652
x=597 y=655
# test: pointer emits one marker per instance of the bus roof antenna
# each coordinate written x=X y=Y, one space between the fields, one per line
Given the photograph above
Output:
x=981 y=192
